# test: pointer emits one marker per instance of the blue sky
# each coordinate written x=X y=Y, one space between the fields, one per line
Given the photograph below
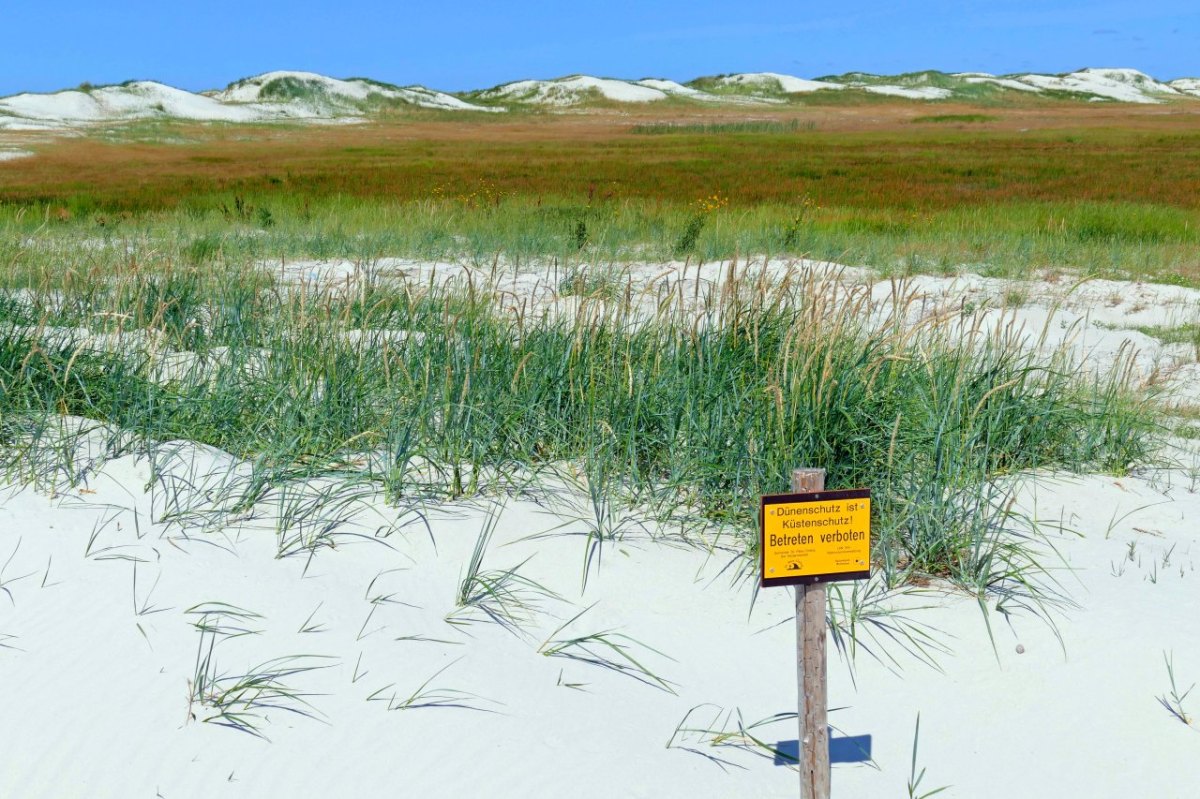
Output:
x=462 y=45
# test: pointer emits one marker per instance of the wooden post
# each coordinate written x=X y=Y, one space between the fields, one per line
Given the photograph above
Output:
x=810 y=664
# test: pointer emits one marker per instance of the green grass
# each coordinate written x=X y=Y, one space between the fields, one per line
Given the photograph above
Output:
x=684 y=414
x=425 y=696
x=1104 y=239
x=503 y=596
x=703 y=408
x=1172 y=701
x=915 y=777
x=607 y=649
x=243 y=702
x=293 y=88
x=1176 y=334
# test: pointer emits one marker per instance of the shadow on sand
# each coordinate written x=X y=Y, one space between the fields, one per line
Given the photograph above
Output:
x=843 y=749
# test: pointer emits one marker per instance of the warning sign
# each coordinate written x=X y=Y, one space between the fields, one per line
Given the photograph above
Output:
x=815 y=538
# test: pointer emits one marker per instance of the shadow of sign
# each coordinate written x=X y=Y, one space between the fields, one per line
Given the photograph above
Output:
x=843 y=749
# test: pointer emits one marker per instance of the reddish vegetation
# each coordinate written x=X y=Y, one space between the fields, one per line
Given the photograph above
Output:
x=868 y=156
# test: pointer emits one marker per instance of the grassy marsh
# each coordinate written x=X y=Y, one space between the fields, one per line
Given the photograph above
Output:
x=1092 y=189
x=481 y=224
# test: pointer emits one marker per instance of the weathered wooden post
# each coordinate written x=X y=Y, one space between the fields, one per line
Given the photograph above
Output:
x=813 y=704
x=808 y=538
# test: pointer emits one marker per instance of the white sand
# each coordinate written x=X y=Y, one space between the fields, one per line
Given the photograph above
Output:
x=984 y=77
x=131 y=101
x=577 y=88
x=94 y=667
x=103 y=704
x=242 y=102
x=1124 y=85
x=671 y=87
x=1186 y=85
x=1007 y=83
x=250 y=90
x=786 y=83
x=911 y=92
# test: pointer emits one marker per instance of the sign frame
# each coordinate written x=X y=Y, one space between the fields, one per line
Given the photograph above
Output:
x=794 y=498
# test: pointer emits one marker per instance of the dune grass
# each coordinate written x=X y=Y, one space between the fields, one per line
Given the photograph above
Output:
x=1188 y=333
x=1172 y=701
x=503 y=596
x=915 y=776
x=728 y=728
x=242 y=701
x=698 y=402
x=607 y=649
x=425 y=696
x=7 y=579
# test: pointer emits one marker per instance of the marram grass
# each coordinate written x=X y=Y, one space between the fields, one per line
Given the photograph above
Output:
x=701 y=403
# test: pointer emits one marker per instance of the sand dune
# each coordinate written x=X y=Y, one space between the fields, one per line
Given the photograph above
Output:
x=148 y=586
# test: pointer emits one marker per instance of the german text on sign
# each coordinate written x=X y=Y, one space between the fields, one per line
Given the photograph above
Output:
x=815 y=538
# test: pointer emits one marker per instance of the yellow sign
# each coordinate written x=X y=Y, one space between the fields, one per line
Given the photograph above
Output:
x=815 y=538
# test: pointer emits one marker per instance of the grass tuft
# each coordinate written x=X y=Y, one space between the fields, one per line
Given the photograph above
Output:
x=504 y=596
x=242 y=701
